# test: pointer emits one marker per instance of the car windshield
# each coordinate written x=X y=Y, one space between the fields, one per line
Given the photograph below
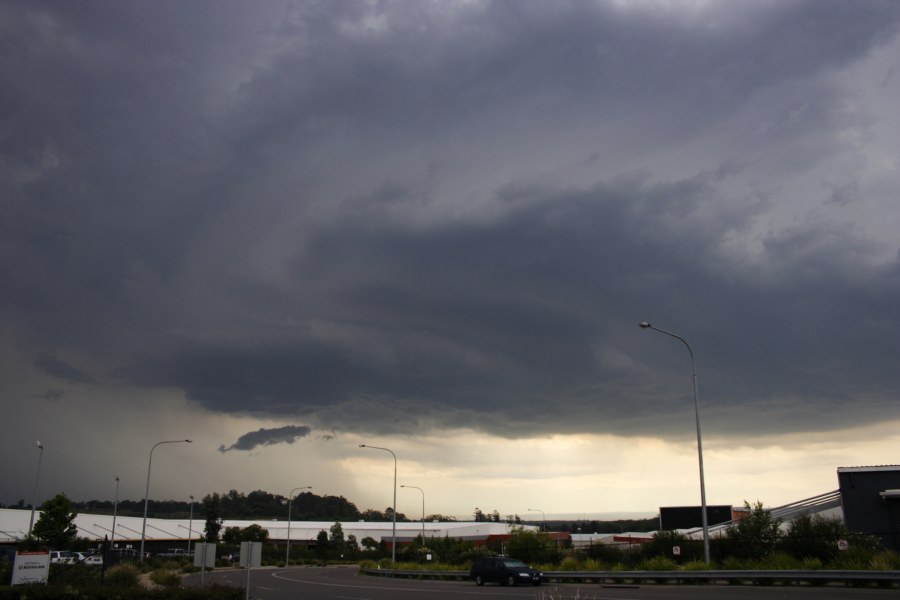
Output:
x=514 y=564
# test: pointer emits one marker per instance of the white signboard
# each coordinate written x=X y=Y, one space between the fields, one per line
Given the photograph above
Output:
x=31 y=567
x=251 y=554
x=676 y=550
x=205 y=555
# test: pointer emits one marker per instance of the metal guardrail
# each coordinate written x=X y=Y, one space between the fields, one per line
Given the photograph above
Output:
x=674 y=577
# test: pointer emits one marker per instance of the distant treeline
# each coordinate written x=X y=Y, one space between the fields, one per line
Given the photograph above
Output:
x=307 y=506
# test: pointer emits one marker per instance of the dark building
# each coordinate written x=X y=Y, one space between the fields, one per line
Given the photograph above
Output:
x=691 y=517
x=870 y=499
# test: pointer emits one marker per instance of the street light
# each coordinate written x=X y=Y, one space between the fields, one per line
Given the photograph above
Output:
x=646 y=325
x=394 y=526
x=115 y=510
x=147 y=491
x=542 y=516
x=34 y=494
x=423 y=508
x=190 y=525
x=287 y=554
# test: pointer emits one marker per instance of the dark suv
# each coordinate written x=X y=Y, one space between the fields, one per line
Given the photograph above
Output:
x=505 y=571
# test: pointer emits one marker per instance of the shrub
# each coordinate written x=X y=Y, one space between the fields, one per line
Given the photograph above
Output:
x=885 y=561
x=658 y=563
x=166 y=577
x=126 y=575
x=569 y=564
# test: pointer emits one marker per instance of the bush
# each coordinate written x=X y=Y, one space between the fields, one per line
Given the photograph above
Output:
x=166 y=577
x=658 y=563
x=126 y=575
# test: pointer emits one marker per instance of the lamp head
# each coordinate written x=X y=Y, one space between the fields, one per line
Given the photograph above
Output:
x=645 y=325
x=40 y=445
x=362 y=445
x=189 y=441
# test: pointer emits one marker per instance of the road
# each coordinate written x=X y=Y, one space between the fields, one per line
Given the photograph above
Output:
x=344 y=583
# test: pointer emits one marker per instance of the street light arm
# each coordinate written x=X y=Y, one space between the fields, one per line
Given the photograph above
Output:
x=147 y=489
x=394 y=515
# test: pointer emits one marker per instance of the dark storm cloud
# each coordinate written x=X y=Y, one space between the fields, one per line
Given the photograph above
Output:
x=62 y=370
x=350 y=212
x=268 y=437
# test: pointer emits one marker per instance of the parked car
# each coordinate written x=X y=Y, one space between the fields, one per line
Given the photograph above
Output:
x=61 y=557
x=505 y=571
x=92 y=559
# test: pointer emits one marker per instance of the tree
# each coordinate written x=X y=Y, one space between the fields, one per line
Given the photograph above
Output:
x=369 y=543
x=336 y=538
x=755 y=536
x=254 y=533
x=56 y=525
x=530 y=546
x=232 y=535
x=212 y=508
x=322 y=543
x=814 y=537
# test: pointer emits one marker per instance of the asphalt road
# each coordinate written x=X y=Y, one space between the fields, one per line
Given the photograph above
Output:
x=344 y=583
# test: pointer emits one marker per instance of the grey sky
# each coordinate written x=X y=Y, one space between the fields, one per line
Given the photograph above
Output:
x=377 y=218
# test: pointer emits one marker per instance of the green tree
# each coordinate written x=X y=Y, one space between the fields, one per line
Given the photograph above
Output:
x=369 y=543
x=212 y=508
x=336 y=537
x=755 y=536
x=254 y=533
x=530 y=546
x=56 y=525
x=814 y=537
x=232 y=535
x=322 y=543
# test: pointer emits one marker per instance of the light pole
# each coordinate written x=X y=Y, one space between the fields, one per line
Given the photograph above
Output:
x=287 y=552
x=646 y=325
x=147 y=490
x=36 y=478
x=423 y=509
x=543 y=516
x=394 y=526
x=115 y=510
x=190 y=525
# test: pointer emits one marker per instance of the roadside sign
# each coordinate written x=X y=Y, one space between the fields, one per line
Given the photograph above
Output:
x=31 y=567
x=843 y=545
x=676 y=550
x=251 y=554
x=204 y=555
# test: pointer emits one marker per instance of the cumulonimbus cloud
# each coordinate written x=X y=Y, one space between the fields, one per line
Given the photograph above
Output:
x=268 y=437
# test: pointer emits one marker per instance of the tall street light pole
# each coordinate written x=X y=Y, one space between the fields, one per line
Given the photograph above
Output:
x=190 y=525
x=543 y=516
x=115 y=510
x=147 y=490
x=37 y=476
x=287 y=552
x=646 y=325
x=423 y=509
x=394 y=526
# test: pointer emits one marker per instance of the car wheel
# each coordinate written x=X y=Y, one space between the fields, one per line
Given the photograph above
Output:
x=511 y=580
x=479 y=580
